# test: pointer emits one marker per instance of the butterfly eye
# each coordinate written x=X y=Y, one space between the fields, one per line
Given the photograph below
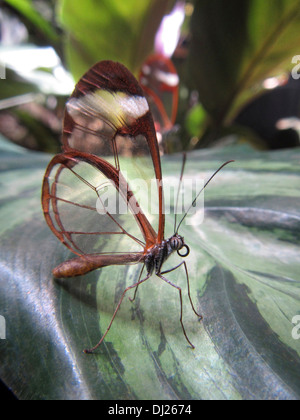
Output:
x=176 y=243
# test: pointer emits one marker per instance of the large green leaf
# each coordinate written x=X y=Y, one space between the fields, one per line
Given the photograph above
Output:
x=235 y=46
x=244 y=273
x=110 y=29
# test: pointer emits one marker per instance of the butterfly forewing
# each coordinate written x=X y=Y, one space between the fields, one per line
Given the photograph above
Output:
x=96 y=120
x=108 y=116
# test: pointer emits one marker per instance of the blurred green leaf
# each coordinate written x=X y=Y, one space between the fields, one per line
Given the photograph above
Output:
x=244 y=272
x=43 y=71
x=27 y=9
x=14 y=86
x=110 y=29
x=195 y=120
x=236 y=45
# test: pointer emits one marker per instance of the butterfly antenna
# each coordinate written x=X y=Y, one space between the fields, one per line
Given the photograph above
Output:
x=196 y=198
x=179 y=188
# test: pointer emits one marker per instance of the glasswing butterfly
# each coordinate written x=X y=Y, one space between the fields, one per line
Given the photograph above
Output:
x=159 y=80
x=107 y=124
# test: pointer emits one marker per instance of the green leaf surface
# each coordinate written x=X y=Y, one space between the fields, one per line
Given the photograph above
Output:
x=244 y=273
x=235 y=46
x=110 y=30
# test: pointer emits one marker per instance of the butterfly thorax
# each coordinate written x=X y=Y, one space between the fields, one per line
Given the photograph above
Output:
x=159 y=253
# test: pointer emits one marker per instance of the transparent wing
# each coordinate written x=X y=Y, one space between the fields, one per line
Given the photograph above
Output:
x=159 y=80
x=91 y=209
x=108 y=116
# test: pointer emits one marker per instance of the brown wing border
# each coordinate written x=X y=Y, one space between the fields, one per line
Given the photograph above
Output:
x=67 y=160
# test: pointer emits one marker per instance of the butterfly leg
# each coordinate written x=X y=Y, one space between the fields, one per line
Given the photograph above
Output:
x=160 y=275
x=136 y=289
x=188 y=285
x=89 y=351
